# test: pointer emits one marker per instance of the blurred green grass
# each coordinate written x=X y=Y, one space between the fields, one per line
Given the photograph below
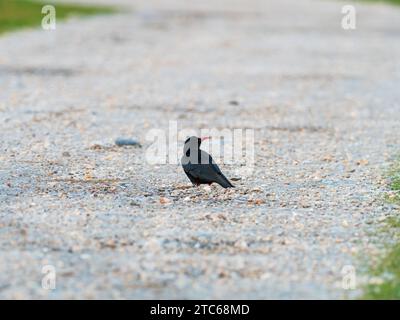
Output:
x=388 y=274
x=387 y=270
x=396 y=2
x=17 y=14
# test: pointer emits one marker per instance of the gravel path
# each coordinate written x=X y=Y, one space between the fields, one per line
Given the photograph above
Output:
x=324 y=104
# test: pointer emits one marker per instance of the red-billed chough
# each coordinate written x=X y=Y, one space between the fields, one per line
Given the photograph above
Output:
x=199 y=166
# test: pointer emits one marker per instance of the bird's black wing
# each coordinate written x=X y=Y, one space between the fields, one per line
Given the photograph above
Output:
x=207 y=171
x=210 y=172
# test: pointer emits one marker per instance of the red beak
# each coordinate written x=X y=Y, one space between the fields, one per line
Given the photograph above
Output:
x=205 y=138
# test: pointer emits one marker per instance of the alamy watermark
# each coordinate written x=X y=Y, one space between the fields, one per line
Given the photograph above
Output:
x=228 y=146
x=49 y=278
x=349 y=19
x=49 y=20
x=349 y=279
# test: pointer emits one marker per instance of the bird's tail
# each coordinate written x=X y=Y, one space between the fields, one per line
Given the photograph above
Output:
x=224 y=182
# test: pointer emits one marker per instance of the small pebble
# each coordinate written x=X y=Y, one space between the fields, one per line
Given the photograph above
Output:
x=127 y=142
x=164 y=200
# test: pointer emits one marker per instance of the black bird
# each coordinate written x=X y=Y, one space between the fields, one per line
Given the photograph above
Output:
x=199 y=166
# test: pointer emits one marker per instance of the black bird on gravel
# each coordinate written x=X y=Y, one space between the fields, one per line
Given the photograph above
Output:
x=199 y=166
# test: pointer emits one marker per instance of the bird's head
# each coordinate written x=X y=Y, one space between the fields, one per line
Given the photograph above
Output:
x=193 y=143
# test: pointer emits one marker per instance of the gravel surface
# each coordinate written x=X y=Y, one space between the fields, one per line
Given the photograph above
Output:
x=324 y=104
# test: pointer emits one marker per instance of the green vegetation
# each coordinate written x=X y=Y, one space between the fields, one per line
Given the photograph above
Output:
x=17 y=14
x=384 y=1
x=394 y=174
x=387 y=271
